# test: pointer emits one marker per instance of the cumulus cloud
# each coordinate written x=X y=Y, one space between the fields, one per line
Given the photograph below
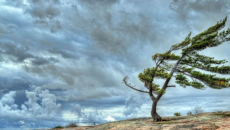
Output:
x=40 y=105
x=109 y=118
x=8 y=99
x=96 y=117
x=86 y=116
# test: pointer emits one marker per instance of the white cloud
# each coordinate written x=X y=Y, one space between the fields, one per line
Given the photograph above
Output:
x=109 y=118
x=70 y=116
x=8 y=99
x=40 y=105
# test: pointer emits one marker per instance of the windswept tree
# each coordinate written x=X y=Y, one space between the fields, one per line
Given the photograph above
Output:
x=189 y=68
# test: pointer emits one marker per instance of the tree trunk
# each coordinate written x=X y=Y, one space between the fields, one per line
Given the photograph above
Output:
x=154 y=114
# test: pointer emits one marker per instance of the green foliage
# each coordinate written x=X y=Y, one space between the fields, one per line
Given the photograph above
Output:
x=182 y=80
x=161 y=73
x=196 y=60
x=188 y=65
x=58 y=127
x=223 y=34
x=155 y=87
x=196 y=85
x=149 y=73
x=165 y=56
x=208 y=38
x=183 y=44
x=206 y=59
x=210 y=30
x=207 y=41
x=161 y=91
x=177 y=114
x=189 y=61
x=209 y=79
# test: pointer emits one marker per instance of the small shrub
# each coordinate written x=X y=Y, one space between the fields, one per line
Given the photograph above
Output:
x=189 y=113
x=197 y=110
x=58 y=127
x=177 y=114
x=72 y=124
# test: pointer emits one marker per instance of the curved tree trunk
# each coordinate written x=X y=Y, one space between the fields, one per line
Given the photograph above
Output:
x=154 y=114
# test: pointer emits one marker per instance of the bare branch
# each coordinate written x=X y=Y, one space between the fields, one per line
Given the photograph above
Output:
x=171 y=86
x=155 y=62
x=127 y=84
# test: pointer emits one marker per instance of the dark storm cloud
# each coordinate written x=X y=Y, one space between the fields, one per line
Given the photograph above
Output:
x=201 y=7
x=18 y=53
x=45 y=13
x=42 y=61
x=14 y=83
x=7 y=29
x=49 y=9
x=16 y=3
x=103 y=2
x=117 y=39
x=64 y=53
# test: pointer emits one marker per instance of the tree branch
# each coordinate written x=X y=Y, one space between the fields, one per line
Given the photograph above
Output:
x=171 y=86
x=194 y=77
x=151 y=94
x=127 y=84
x=168 y=79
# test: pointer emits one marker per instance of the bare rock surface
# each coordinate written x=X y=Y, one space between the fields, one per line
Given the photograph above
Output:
x=205 y=121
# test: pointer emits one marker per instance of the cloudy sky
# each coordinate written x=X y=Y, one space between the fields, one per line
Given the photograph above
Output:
x=63 y=61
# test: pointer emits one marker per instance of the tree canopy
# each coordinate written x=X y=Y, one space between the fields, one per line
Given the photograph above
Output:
x=189 y=68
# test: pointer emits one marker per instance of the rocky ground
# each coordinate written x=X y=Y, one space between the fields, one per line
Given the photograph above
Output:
x=205 y=121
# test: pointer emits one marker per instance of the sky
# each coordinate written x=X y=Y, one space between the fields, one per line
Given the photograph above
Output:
x=63 y=61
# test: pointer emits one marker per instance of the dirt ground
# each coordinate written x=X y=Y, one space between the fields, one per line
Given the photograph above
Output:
x=205 y=121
